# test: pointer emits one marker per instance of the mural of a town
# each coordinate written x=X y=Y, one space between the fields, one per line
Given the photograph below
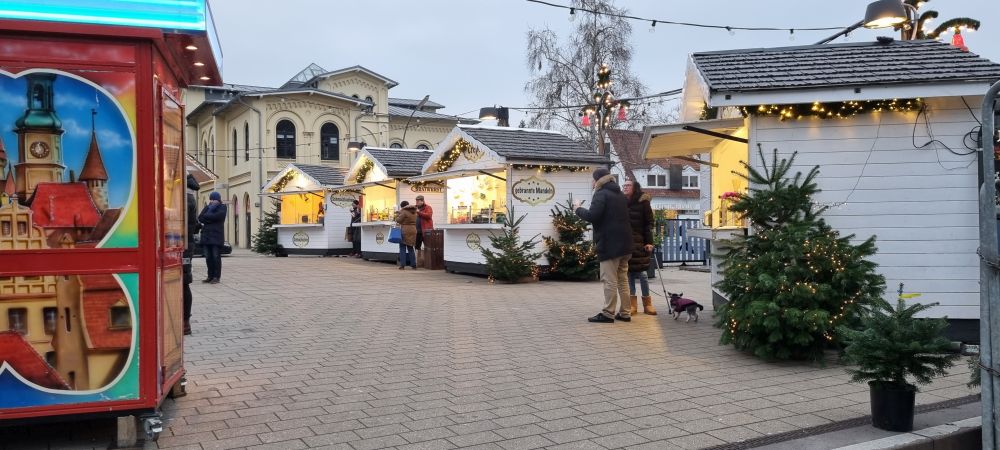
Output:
x=60 y=332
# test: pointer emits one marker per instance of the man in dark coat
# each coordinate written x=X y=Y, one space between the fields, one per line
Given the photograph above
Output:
x=613 y=238
x=193 y=227
x=213 y=235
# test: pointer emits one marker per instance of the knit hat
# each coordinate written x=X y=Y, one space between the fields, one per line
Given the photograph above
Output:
x=215 y=196
x=420 y=197
x=600 y=172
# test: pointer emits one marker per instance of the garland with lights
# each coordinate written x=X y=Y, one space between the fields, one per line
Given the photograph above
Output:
x=571 y=255
x=549 y=168
x=833 y=110
x=366 y=167
x=957 y=24
x=283 y=181
x=794 y=280
x=604 y=102
x=449 y=157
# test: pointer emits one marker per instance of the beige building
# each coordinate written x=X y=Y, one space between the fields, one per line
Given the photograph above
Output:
x=247 y=134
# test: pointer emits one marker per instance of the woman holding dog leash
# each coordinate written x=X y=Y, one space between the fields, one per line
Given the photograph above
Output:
x=640 y=215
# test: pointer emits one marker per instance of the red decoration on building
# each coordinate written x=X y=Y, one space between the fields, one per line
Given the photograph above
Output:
x=958 y=41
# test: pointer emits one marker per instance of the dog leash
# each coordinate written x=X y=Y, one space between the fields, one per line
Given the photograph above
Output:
x=659 y=274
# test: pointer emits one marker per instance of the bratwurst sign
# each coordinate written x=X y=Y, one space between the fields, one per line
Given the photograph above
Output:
x=533 y=191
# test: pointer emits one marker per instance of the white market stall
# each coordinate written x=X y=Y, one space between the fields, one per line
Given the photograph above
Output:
x=881 y=138
x=379 y=178
x=313 y=217
x=490 y=172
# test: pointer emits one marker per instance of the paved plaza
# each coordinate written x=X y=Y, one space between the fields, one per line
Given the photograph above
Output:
x=315 y=352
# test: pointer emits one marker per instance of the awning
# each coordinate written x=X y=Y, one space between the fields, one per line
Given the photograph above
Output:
x=319 y=192
x=388 y=183
x=456 y=174
x=686 y=139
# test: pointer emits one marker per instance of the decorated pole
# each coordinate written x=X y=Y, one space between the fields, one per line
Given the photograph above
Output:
x=989 y=274
x=605 y=106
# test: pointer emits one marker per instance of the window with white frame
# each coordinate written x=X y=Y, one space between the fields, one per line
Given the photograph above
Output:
x=689 y=181
x=656 y=180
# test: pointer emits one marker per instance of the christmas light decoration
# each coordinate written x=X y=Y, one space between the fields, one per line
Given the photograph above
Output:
x=571 y=254
x=605 y=104
x=585 y=121
x=549 y=168
x=449 y=157
x=833 y=110
x=366 y=167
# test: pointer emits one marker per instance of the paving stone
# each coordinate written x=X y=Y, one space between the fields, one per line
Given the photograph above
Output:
x=570 y=435
x=525 y=443
x=619 y=440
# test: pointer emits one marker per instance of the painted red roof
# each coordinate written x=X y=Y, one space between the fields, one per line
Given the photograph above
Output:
x=672 y=193
x=93 y=167
x=64 y=205
x=8 y=185
x=3 y=151
x=22 y=357
x=100 y=292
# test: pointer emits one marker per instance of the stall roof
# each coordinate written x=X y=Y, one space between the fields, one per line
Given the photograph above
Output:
x=731 y=75
x=324 y=175
x=533 y=145
x=678 y=139
x=454 y=174
x=399 y=162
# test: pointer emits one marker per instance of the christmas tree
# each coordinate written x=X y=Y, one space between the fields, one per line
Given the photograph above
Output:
x=793 y=280
x=893 y=346
x=513 y=258
x=266 y=240
x=571 y=255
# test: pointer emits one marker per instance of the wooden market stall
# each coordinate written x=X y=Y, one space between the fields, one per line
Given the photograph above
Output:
x=490 y=172
x=313 y=213
x=379 y=177
x=892 y=146
x=92 y=205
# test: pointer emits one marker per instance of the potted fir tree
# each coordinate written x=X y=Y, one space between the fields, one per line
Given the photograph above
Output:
x=508 y=258
x=893 y=347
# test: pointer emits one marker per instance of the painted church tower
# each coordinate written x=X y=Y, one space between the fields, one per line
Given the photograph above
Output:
x=94 y=174
x=39 y=138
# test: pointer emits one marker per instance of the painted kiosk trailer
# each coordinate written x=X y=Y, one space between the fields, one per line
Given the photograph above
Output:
x=313 y=215
x=893 y=148
x=490 y=172
x=379 y=178
x=92 y=206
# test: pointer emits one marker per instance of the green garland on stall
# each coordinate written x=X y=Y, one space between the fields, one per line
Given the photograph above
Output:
x=549 y=168
x=283 y=181
x=449 y=157
x=833 y=110
x=363 y=171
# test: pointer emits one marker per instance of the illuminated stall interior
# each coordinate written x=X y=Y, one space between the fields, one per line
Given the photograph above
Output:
x=377 y=175
x=479 y=198
x=723 y=144
x=300 y=191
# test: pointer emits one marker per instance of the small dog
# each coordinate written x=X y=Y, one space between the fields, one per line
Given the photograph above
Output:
x=679 y=304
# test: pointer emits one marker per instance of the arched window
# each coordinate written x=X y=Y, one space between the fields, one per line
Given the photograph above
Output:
x=236 y=221
x=423 y=147
x=211 y=158
x=246 y=213
x=234 y=146
x=246 y=141
x=329 y=142
x=204 y=153
x=395 y=145
x=369 y=99
x=285 y=139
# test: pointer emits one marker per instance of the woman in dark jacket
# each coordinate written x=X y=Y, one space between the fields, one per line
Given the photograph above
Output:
x=213 y=236
x=640 y=216
x=406 y=217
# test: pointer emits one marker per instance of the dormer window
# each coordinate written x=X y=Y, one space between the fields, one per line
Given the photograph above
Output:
x=120 y=316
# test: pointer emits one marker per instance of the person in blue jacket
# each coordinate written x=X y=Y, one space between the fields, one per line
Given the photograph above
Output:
x=213 y=232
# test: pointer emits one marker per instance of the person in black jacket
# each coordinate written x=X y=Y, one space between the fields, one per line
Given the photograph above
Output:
x=613 y=238
x=640 y=216
x=213 y=219
x=193 y=227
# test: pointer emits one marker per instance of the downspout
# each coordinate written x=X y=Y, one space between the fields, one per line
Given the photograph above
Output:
x=260 y=157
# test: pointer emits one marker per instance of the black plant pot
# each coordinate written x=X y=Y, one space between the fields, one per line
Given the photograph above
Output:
x=892 y=406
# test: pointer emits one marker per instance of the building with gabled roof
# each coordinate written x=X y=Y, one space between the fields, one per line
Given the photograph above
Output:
x=248 y=134
x=673 y=183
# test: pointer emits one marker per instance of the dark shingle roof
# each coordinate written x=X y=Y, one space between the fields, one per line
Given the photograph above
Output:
x=400 y=163
x=400 y=111
x=412 y=103
x=819 y=66
x=325 y=175
x=534 y=145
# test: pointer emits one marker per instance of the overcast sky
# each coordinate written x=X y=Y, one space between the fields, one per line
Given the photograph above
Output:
x=470 y=53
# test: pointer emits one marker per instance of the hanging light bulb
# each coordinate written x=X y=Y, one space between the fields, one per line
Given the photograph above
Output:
x=791 y=34
x=572 y=14
x=958 y=41
x=732 y=32
x=585 y=121
x=652 y=28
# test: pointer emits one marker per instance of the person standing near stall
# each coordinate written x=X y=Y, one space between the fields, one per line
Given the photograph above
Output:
x=356 y=228
x=613 y=238
x=213 y=219
x=406 y=217
x=640 y=215
x=425 y=223
x=193 y=227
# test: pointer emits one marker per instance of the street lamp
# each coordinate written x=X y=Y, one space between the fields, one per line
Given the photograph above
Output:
x=498 y=113
x=885 y=14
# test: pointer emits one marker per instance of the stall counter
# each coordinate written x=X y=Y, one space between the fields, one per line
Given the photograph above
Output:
x=375 y=243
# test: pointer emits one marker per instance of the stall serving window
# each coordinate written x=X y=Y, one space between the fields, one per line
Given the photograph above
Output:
x=301 y=208
x=477 y=199
x=379 y=202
